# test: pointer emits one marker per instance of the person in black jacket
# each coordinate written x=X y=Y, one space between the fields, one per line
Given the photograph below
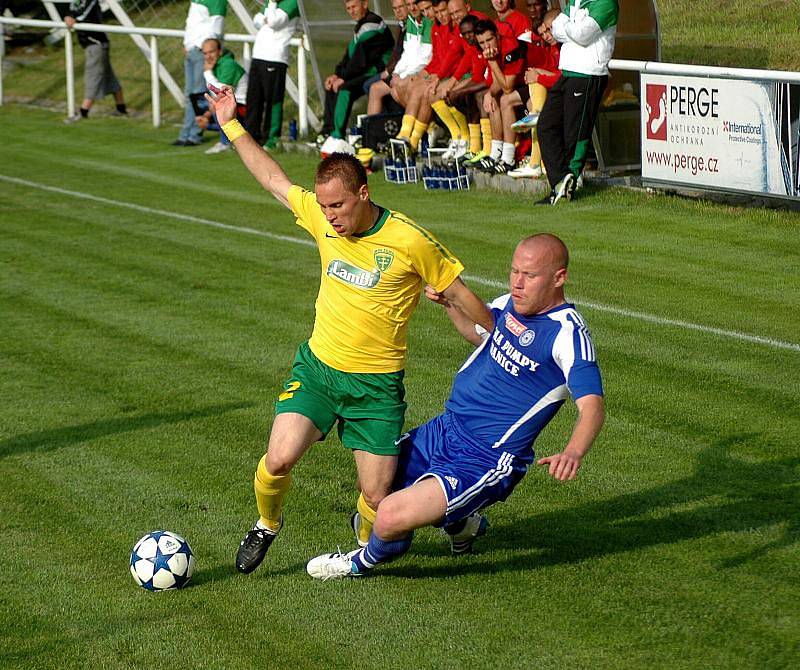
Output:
x=99 y=77
x=366 y=55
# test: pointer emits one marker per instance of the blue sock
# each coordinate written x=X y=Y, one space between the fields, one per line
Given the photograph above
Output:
x=380 y=551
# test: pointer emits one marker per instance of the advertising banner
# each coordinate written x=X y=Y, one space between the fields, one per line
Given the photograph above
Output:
x=723 y=134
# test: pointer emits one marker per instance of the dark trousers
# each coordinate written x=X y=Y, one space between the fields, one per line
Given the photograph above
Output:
x=566 y=123
x=338 y=107
x=266 y=87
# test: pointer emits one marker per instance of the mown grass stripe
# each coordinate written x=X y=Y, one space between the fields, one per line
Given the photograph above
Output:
x=650 y=318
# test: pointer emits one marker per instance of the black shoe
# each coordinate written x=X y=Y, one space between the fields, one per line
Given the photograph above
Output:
x=253 y=548
x=501 y=167
x=462 y=534
x=179 y=143
x=487 y=165
x=548 y=200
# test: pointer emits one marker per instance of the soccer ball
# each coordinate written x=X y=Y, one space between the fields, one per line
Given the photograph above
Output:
x=161 y=560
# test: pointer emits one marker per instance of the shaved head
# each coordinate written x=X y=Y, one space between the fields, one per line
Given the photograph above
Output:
x=550 y=246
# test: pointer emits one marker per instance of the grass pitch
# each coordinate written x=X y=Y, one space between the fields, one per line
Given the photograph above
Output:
x=142 y=343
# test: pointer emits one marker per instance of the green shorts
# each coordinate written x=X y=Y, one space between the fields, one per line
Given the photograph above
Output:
x=368 y=407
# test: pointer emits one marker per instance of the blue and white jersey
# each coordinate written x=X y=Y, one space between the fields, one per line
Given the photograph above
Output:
x=517 y=379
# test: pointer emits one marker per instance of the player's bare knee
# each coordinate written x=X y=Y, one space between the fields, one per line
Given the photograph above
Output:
x=374 y=495
x=278 y=462
x=391 y=520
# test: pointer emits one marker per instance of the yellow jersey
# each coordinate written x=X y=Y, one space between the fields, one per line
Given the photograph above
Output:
x=370 y=284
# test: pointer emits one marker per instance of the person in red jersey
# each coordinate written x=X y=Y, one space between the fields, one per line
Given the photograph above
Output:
x=511 y=21
x=506 y=62
x=542 y=73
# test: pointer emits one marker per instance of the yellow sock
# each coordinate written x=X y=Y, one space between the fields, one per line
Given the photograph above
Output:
x=538 y=96
x=461 y=120
x=408 y=126
x=486 y=131
x=443 y=112
x=474 y=138
x=416 y=135
x=536 y=152
x=269 y=494
x=367 y=515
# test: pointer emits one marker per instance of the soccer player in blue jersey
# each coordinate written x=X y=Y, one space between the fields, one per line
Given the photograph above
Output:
x=475 y=453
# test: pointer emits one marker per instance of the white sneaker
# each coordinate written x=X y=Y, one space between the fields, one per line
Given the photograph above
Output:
x=218 y=148
x=564 y=189
x=450 y=153
x=526 y=123
x=526 y=171
x=475 y=526
x=462 y=146
x=333 y=566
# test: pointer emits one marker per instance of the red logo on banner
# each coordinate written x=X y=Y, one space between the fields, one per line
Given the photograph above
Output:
x=656 y=105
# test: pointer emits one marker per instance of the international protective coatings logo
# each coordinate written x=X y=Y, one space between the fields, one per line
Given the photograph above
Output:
x=656 y=105
x=383 y=259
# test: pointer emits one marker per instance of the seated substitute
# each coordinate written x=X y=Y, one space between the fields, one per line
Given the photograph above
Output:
x=377 y=86
x=506 y=61
x=542 y=73
x=366 y=55
x=474 y=454
x=220 y=69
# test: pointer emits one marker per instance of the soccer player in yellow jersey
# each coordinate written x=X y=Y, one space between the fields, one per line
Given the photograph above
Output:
x=375 y=263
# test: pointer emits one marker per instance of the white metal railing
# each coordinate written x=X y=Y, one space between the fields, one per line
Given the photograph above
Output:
x=300 y=43
x=302 y=78
x=655 y=67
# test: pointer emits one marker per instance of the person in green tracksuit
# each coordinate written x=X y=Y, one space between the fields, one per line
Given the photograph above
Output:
x=587 y=31
x=221 y=69
x=366 y=55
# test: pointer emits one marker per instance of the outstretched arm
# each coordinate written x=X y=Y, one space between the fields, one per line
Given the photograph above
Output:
x=463 y=307
x=591 y=415
x=261 y=165
x=464 y=325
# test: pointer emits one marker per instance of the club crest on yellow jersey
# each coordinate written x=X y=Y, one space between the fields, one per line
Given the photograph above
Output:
x=383 y=258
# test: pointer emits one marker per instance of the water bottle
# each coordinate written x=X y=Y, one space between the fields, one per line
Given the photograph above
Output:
x=423 y=147
x=443 y=184
x=293 y=130
x=411 y=165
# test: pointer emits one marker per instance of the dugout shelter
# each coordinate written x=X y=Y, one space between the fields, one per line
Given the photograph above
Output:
x=617 y=136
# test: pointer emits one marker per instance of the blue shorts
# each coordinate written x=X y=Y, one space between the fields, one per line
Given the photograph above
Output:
x=471 y=477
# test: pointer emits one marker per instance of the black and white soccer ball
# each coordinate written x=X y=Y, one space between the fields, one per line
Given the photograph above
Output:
x=162 y=560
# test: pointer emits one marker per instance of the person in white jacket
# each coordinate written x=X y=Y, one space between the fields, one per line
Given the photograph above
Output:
x=276 y=24
x=587 y=31
x=206 y=18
